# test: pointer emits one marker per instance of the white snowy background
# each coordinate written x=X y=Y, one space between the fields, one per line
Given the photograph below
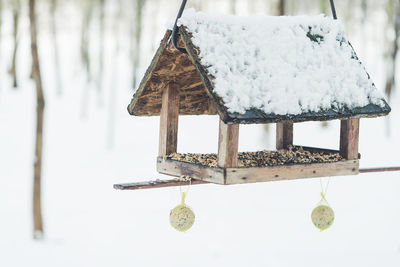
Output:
x=91 y=143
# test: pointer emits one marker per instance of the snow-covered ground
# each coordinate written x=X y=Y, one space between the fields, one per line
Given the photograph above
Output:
x=88 y=223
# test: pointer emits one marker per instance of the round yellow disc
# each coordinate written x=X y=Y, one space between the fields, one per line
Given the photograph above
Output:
x=181 y=218
x=323 y=217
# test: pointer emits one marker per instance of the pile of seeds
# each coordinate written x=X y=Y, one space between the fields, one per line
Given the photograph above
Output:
x=292 y=155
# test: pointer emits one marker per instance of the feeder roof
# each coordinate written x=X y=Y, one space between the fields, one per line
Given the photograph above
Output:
x=261 y=70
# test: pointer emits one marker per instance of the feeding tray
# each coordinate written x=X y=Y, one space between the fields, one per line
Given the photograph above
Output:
x=262 y=166
x=248 y=70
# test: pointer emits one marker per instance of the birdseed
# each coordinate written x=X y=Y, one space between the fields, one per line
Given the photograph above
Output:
x=291 y=155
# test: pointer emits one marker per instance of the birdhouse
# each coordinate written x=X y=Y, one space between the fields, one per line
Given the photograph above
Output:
x=248 y=70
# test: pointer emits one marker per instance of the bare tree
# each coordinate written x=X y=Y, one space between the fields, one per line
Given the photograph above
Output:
x=1 y=17
x=102 y=6
x=364 y=8
x=392 y=55
x=323 y=6
x=53 y=25
x=87 y=17
x=136 y=37
x=1 y=24
x=16 y=7
x=282 y=9
x=113 y=89
x=37 y=209
x=232 y=6
x=84 y=49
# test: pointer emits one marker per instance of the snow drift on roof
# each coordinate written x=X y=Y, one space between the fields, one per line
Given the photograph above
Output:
x=280 y=65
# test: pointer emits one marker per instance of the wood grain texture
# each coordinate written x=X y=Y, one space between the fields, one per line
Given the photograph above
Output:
x=290 y=172
x=169 y=120
x=156 y=184
x=228 y=145
x=170 y=65
x=284 y=134
x=195 y=171
x=349 y=135
x=174 y=182
x=197 y=89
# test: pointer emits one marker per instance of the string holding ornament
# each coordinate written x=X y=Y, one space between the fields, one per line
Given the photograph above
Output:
x=323 y=215
x=182 y=217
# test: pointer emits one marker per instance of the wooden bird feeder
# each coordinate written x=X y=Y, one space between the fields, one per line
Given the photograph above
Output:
x=179 y=83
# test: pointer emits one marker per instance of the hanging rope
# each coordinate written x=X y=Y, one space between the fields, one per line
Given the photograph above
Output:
x=175 y=29
x=333 y=9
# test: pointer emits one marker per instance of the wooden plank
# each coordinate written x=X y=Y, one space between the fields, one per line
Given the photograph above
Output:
x=284 y=134
x=144 y=83
x=175 y=182
x=382 y=169
x=228 y=144
x=349 y=132
x=194 y=171
x=169 y=120
x=157 y=184
x=289 y=172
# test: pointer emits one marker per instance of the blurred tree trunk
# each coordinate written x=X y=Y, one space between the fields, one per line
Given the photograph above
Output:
x=349 y=14
x=278 y=7
x=1 y=21
x=114 y=85
x=16 y=7
x=323 y=6
x=1 y=24
x=198 y=4
x=279 y=10
x=253 y=6
x=53 y=25
x=135 y=49
x=391 y=72
x=85 y=53
x=232 y=6
x=37 y=210
x=154 y=23
x=282 y=7
x=364 y=8
x=101 y=50
x=87 y=16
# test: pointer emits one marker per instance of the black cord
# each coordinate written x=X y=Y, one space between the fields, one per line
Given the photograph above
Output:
x=175 y=29
x=333 y=9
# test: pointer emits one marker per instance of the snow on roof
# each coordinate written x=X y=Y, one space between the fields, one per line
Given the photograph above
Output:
x=280 y=65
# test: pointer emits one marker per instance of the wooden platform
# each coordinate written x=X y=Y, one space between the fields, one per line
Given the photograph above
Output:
x=228 y=176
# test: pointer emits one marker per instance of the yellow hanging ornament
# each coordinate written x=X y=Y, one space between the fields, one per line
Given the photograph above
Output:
x=323 y=216
x=182 y=217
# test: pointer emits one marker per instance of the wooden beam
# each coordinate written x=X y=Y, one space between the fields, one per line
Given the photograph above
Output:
x=382 y=169
x=156 y=184
x=228 y=145
x=349 y=131
x=176 y=182
x=290 y=172
x=196 y=171
x=169 y=120
x=284 y=134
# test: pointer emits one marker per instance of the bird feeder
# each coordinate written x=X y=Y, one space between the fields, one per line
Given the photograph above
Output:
x=257 y=70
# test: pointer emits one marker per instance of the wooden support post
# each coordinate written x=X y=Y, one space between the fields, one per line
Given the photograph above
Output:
x=169 y=120
x=228 y=145
x=284 y=134
x=349 y=130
